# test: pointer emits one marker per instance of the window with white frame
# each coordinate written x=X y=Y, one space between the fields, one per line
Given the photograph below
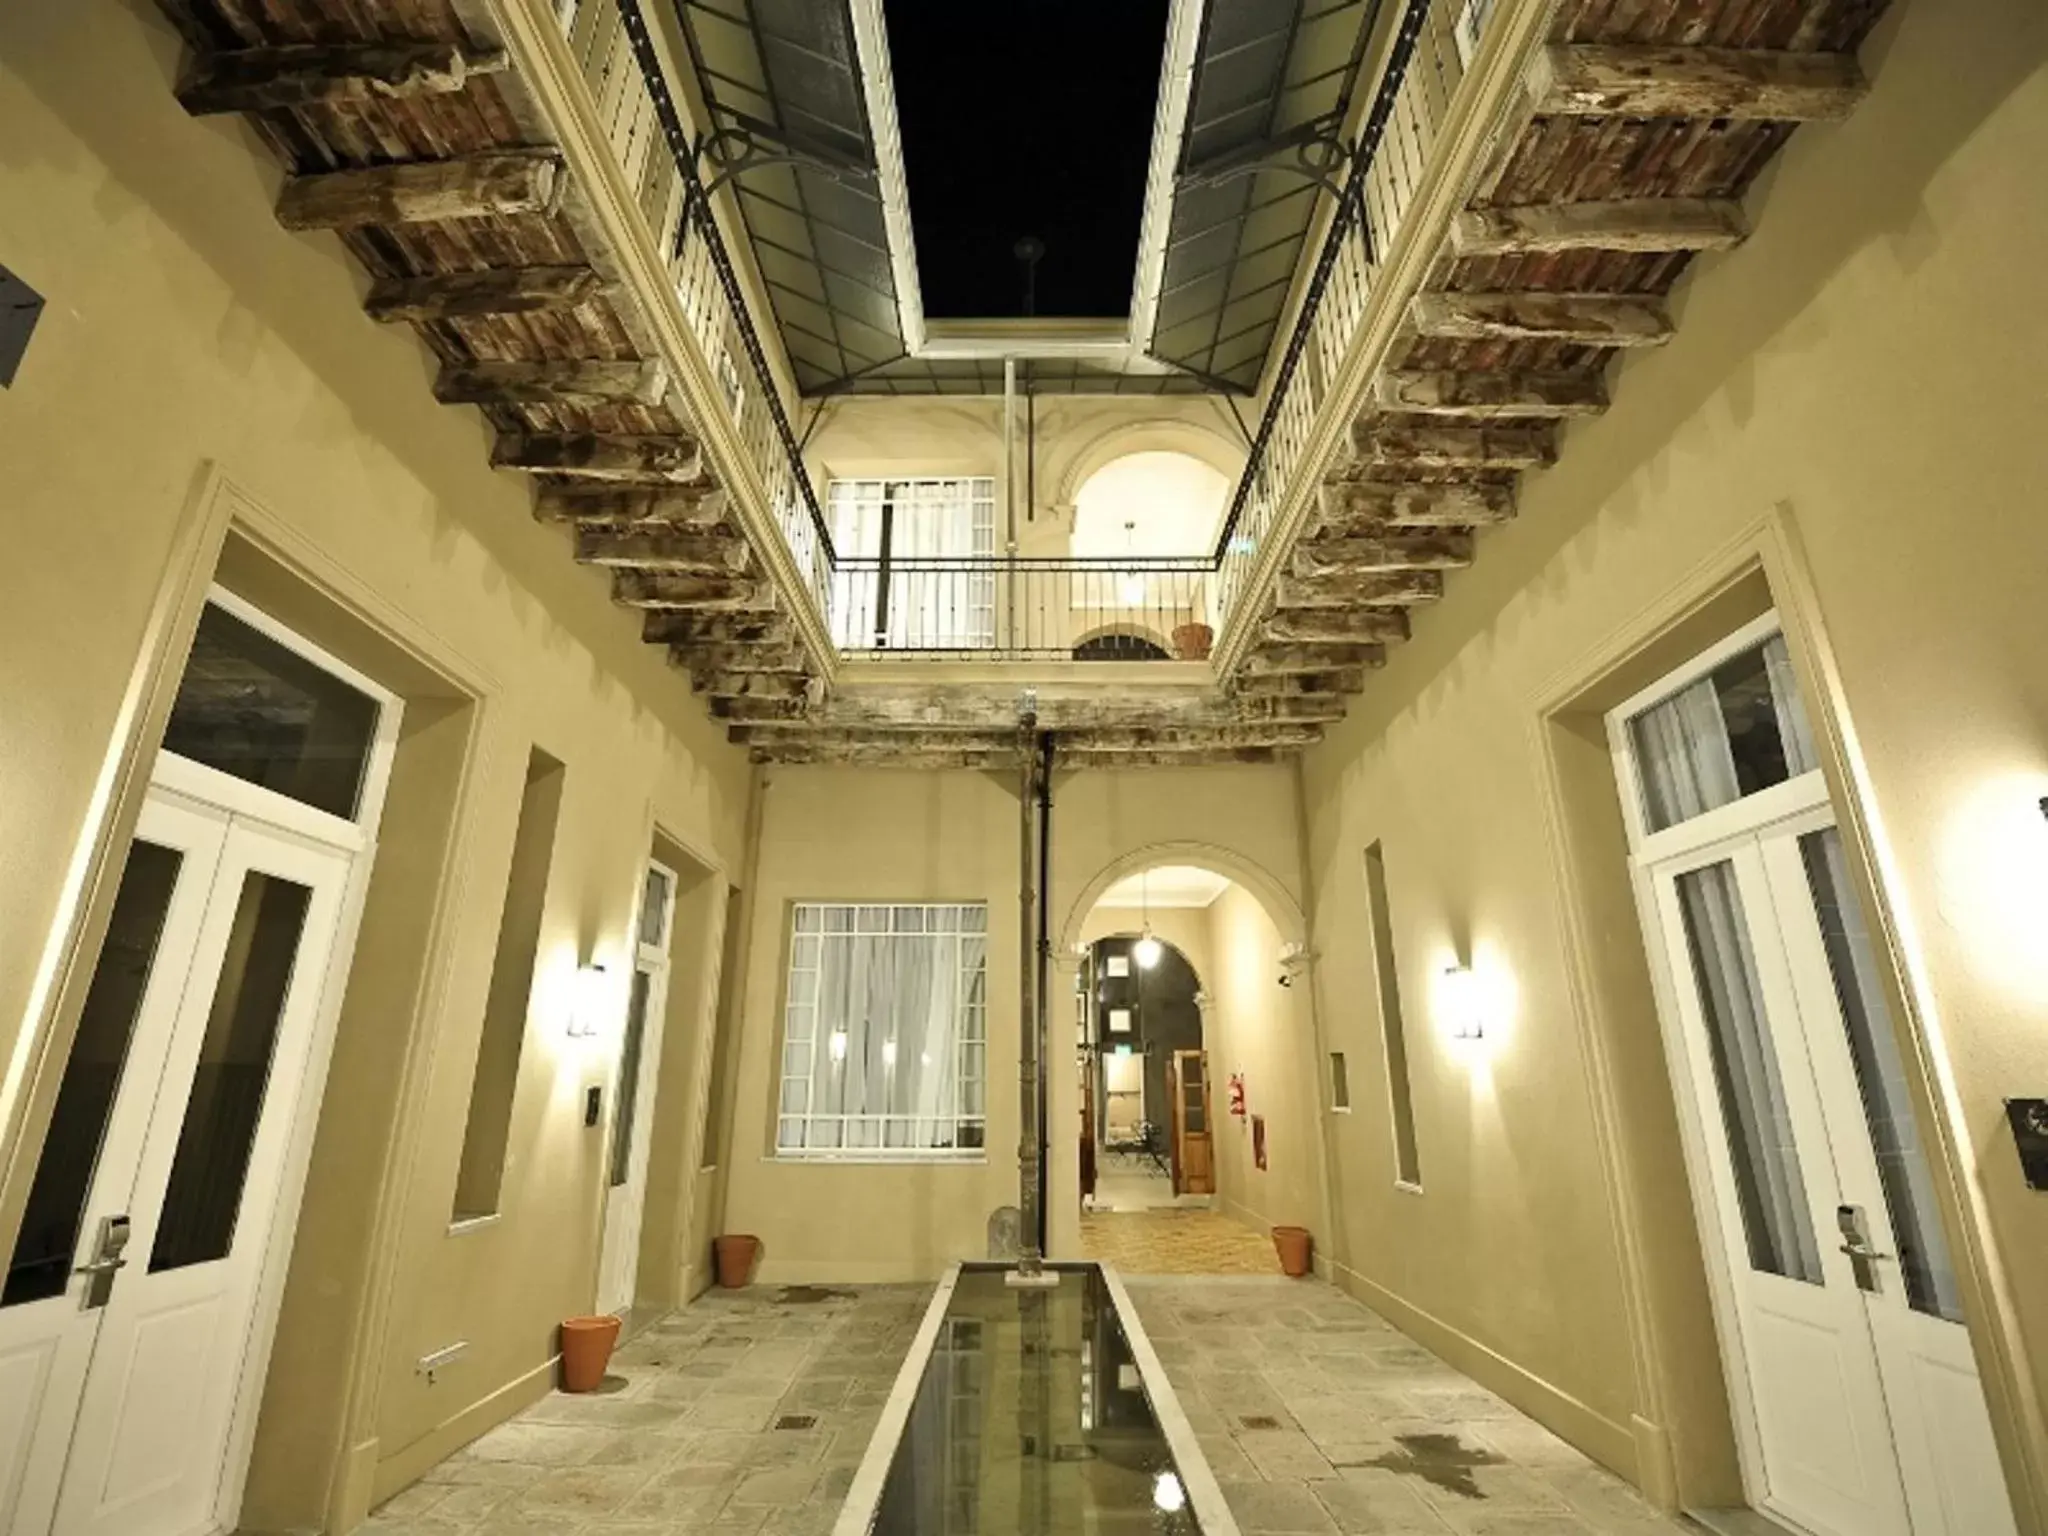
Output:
x=907 y=581
x=885 y=1037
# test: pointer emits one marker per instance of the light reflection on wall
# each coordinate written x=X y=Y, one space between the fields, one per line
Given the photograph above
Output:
x=1993 y=883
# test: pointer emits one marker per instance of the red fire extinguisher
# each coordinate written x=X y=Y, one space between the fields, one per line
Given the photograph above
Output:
x=1237 y=1094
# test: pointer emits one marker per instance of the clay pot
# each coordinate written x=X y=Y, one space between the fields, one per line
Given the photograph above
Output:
x=586 y=1350
x=1191 y=642
x=736 y=1253
x=1293 y=1245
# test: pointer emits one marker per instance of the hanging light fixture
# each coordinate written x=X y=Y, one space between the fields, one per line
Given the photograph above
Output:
x=1148 y=949
x=1131 y=590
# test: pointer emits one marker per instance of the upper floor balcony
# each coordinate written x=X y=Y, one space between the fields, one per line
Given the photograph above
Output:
x=1386 y=250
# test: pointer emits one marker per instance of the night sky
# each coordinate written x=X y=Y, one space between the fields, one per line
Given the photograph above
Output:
x=1026 y=117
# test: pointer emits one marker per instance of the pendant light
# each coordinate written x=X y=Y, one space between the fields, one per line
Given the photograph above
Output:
x=1148 y=949
x=1131 y=590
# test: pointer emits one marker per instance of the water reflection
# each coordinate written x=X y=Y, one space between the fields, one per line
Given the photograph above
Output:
x=1031 y=1420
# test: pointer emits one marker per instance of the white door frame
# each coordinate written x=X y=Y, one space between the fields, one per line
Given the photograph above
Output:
x=182 y=780
x=625 y=1204
x=1782 y=811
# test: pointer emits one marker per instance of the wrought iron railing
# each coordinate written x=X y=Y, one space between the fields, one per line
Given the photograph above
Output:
x=1000 y=608
x=980 y=608
x=1425 y=63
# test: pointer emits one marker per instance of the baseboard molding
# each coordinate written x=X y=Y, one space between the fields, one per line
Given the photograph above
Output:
x=403 y=1468
x=1244 y=1213
x=1612 y=1445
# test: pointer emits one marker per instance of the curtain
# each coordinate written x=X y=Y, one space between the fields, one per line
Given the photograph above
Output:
x=1770 y=1186
x=1793 y=730
x=1682 y=749
x=947 y=520
x=888 y=1055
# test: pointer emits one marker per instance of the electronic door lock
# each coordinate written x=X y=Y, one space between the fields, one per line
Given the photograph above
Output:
x=1857 y=1245
x=107 y=1261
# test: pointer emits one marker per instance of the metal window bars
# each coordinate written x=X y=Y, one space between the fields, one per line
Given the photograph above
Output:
x=1003 y=608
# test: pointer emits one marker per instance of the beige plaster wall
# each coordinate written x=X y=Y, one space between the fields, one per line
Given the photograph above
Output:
x=1859 y=371
x=185 y=327
x=1264 y=1031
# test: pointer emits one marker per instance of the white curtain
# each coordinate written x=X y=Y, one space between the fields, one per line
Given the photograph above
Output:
x=1682 y=745
x=928 y=520
x=1770 y=1187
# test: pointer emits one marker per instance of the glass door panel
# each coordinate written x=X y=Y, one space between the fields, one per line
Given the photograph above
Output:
x=1770 y=1186
x=204 y=1195
x=630 y=1051
x=55 y=1215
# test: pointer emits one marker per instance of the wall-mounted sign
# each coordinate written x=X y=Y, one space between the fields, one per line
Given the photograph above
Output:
x=20 y=307
x=2029 y=1119
x=1119 y=1021
x=1118 y=965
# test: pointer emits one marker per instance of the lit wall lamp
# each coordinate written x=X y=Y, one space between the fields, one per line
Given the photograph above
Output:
x=587 y=1006
x=1463 y=1008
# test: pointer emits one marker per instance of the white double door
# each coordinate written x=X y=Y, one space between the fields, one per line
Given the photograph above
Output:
x=134 y=1331
x=1856 y=1395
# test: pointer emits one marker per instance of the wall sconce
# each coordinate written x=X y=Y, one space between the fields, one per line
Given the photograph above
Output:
x=1463 y=1010
x=587 y=1006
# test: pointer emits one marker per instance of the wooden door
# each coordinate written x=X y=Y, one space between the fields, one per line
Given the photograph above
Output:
x=1194 y=1163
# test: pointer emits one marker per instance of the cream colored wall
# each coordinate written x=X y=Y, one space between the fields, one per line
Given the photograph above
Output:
x=1263 y=1030
x=907 y=835
x=184 y=326
x=1867 y=368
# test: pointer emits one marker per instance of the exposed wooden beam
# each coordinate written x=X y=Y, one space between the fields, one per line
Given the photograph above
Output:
x=646 y=458
x=920 y=758
x=1316 y=707
x=1369 y=504
x=1389 y=589
x=1171 y=739
x=598 y=506
x=1588 y=319
x=671 y=589
x=495 y=291
x=781 y=735
x=754 y=685
x=1219 y=757
x=1345 y=680
x=685 y=552
x=680 y=627
x=704 y=659
x=277 y=79
x=1646 y=224
x=1338 y=626
x=1438 y=550
x=1639 y=80
x=1289 y=659
x=579 y=383
x=1377 y=441
x=1490 y=396
x=988 y=707
x=759 y=709
x=497 y=183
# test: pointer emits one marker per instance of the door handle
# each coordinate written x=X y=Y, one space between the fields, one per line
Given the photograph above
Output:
x=1850 y=1221
x=107 y=1261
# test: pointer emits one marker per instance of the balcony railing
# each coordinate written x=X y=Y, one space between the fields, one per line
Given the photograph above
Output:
x=1424 y=66
x=986 y=608
x=993 y=607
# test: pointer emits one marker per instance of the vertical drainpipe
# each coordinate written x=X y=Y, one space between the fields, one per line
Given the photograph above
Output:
x=1010 y=491
x=1029 y=1175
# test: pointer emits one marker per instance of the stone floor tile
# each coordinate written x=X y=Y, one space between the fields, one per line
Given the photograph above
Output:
x=1369 y=1502
x=581 y=1492
x=540 y=1445
x=1284 y=1454
x=1502 y=1489
x=1278 y=1509
x=783 y=1487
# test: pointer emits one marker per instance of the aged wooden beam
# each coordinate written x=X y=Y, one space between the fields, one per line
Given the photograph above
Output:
x=673 y=589
x=1490 y=396
x=1642 y=80
x=1588 y=319
x=494 y=291
x=1377 y=589
x=759 y=709
x=1530 y=445
x=1174 y=739
x=583 y=382
x=1345 y=680
x=487 y=185
x=1217 y=757
x=599 y=506
x=1436 y=550
x=703 y=554
x=1368 y=504
x=1338 y=626
x=1313 y=707
x=646 y=458
x=1645 y=224
x=308 y=75
x=989 y=707
x=741 y=627
x=754 y=685
x=702 y=660
x=929 y=759
x=905 y=739
x=1281 y=659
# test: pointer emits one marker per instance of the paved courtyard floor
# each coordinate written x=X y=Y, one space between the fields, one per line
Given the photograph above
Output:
x=747 y=1413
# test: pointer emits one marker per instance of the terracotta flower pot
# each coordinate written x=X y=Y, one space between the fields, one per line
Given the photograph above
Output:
x=1293 y=1245
x=1191 y=642
x=586 y=1350
x=736 y=1253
